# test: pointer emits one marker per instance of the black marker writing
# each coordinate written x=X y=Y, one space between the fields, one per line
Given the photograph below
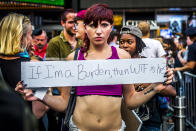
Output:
x=35 y=72
x=32 y=72
x=68 y=74
x=48 y=67
x=141 y=68
x=161 y=69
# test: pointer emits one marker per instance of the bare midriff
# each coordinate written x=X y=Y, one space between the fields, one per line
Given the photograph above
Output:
x=98 y=113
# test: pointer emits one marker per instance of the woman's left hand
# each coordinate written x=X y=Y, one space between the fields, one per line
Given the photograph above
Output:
x=169 y=76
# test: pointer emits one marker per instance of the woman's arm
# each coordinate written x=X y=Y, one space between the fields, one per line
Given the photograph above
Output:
x=169 y=90
x=39 y=109
x=179 y=55
x=134 y=99
x=60 y=102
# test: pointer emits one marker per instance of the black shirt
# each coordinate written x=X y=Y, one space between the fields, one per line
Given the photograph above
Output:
x=11 y=70
x=14 y=113
x=154 y=113
x=192 y=55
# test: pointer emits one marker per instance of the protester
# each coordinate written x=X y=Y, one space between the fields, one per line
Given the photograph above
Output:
x=100 y=104
x=40 y=42
x=131 y=41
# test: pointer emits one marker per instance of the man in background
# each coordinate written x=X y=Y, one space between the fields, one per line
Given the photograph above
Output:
x=153 y=47
x=62 y=45
x=59 y=48
x=191 y=62
x=113 y=39
x=152 y=115
x=40 y=42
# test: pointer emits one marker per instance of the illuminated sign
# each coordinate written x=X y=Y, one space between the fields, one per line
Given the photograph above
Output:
x=153 y=24
x=48 y=2
x=117 y=20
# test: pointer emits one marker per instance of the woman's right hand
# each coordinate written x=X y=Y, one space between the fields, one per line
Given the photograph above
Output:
x=26 y=93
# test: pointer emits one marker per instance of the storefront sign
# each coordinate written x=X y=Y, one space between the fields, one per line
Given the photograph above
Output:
x=153 y=24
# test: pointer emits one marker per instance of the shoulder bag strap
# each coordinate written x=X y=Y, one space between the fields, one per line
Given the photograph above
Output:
x=76 y=53
x=72 y=99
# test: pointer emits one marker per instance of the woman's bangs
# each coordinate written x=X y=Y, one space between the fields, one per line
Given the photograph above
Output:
x=99 y=14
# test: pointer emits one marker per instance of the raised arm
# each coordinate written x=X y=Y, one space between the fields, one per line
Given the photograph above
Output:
x=179 y=55
x=134 y=99
x=59 y=103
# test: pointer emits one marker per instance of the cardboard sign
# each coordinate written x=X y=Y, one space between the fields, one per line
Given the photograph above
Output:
x=93 y=72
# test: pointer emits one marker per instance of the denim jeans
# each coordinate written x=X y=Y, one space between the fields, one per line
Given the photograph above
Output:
x=73 y=127
x=150 y=128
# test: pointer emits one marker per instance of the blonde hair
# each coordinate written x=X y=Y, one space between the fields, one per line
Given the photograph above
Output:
x=13 y=31
x=144 y=27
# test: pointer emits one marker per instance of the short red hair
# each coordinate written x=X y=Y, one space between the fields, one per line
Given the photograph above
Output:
x=98 y=12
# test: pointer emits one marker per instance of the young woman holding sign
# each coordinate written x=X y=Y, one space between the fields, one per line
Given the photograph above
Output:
x=100 y=104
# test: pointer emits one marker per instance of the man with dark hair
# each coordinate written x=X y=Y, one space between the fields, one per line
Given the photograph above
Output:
x=40 y=42
x=61 y=46
x=113 y=39
x=191 y=64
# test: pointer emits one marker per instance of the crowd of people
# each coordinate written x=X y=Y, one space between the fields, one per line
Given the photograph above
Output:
x=90 y=34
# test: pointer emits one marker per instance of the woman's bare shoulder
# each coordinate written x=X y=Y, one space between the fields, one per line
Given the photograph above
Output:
x=123 y=54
